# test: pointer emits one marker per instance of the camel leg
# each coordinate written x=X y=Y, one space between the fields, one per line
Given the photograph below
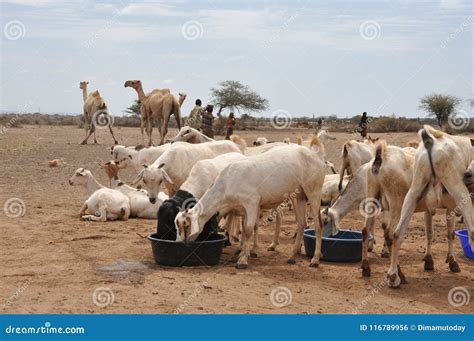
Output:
x=149 y=130
x=86 y=127
x=112 y=132
x=91 y=130
x=164 y=128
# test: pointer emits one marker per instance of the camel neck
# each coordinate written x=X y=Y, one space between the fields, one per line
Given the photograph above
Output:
x=84 y=94
x=141 y=94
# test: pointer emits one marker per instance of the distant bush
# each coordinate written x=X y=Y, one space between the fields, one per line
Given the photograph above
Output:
x=381 y=124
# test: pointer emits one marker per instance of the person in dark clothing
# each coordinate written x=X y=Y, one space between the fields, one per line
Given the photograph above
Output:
x=230 y=125
x=207 y=119
x=364 y=122
x=320 y=123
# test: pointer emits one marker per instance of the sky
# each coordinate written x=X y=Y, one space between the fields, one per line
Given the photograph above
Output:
x=306 y=57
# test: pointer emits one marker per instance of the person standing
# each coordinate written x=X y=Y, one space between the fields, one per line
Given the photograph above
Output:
x=230 y=125
x=364 y=122
x=207 y=119
x=194 y=121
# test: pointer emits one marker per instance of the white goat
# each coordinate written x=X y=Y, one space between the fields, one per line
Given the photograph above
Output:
x=354 y=154
x=441 y=159
x=173 y=167
x=275 y=175
x=325 y=137
x=191 y=135
x=104 y=203
x=330 y=190
x=260 y=141
x=136 y=157
x=140 y=206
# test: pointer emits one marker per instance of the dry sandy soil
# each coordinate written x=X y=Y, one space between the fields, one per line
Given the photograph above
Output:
x=51 y=262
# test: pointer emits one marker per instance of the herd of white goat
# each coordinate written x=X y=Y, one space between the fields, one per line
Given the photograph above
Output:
x=240 y=183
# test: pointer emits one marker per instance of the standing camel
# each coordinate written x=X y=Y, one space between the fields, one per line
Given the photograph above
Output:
x=95 y=112
x=159 y=104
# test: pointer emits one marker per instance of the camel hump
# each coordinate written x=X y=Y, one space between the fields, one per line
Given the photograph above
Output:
x=95 y=93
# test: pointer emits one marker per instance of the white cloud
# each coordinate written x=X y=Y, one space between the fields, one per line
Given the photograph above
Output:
x=150 y=9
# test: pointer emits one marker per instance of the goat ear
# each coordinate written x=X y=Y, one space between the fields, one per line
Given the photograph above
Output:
x=166 y=177
x=161 y=166
x=139 y=177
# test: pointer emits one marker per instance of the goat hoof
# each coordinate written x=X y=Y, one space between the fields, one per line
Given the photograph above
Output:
x=314 y=265
x=402 y=277
x=291 y=261
x=83 y=142
x=253 y=254
x=385 y=254
x=454 y=266
x=271 y=248
x=429 y=264
x=241 y=266
x=393 y=281
x=365 y=268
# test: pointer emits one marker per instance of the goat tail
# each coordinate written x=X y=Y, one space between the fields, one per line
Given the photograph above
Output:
x=239 y=141
x=428 y=142
x=378 y=158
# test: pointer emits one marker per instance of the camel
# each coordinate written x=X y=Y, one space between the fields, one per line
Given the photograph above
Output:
x=95 y=110
x=159 y=104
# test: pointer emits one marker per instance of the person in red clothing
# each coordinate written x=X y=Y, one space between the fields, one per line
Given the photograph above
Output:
x=230 y=125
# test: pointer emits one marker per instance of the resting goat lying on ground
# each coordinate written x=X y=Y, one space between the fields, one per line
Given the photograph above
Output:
x=191 y=135
x=275 y=174
x=442 y=159
x=140 y=206
x=104 y=203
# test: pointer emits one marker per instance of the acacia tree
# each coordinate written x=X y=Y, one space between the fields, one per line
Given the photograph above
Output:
x=134 y=109
x=234 y=95
x=439 y=106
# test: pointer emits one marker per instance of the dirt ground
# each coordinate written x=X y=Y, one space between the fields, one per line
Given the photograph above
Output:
x=51 y=262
